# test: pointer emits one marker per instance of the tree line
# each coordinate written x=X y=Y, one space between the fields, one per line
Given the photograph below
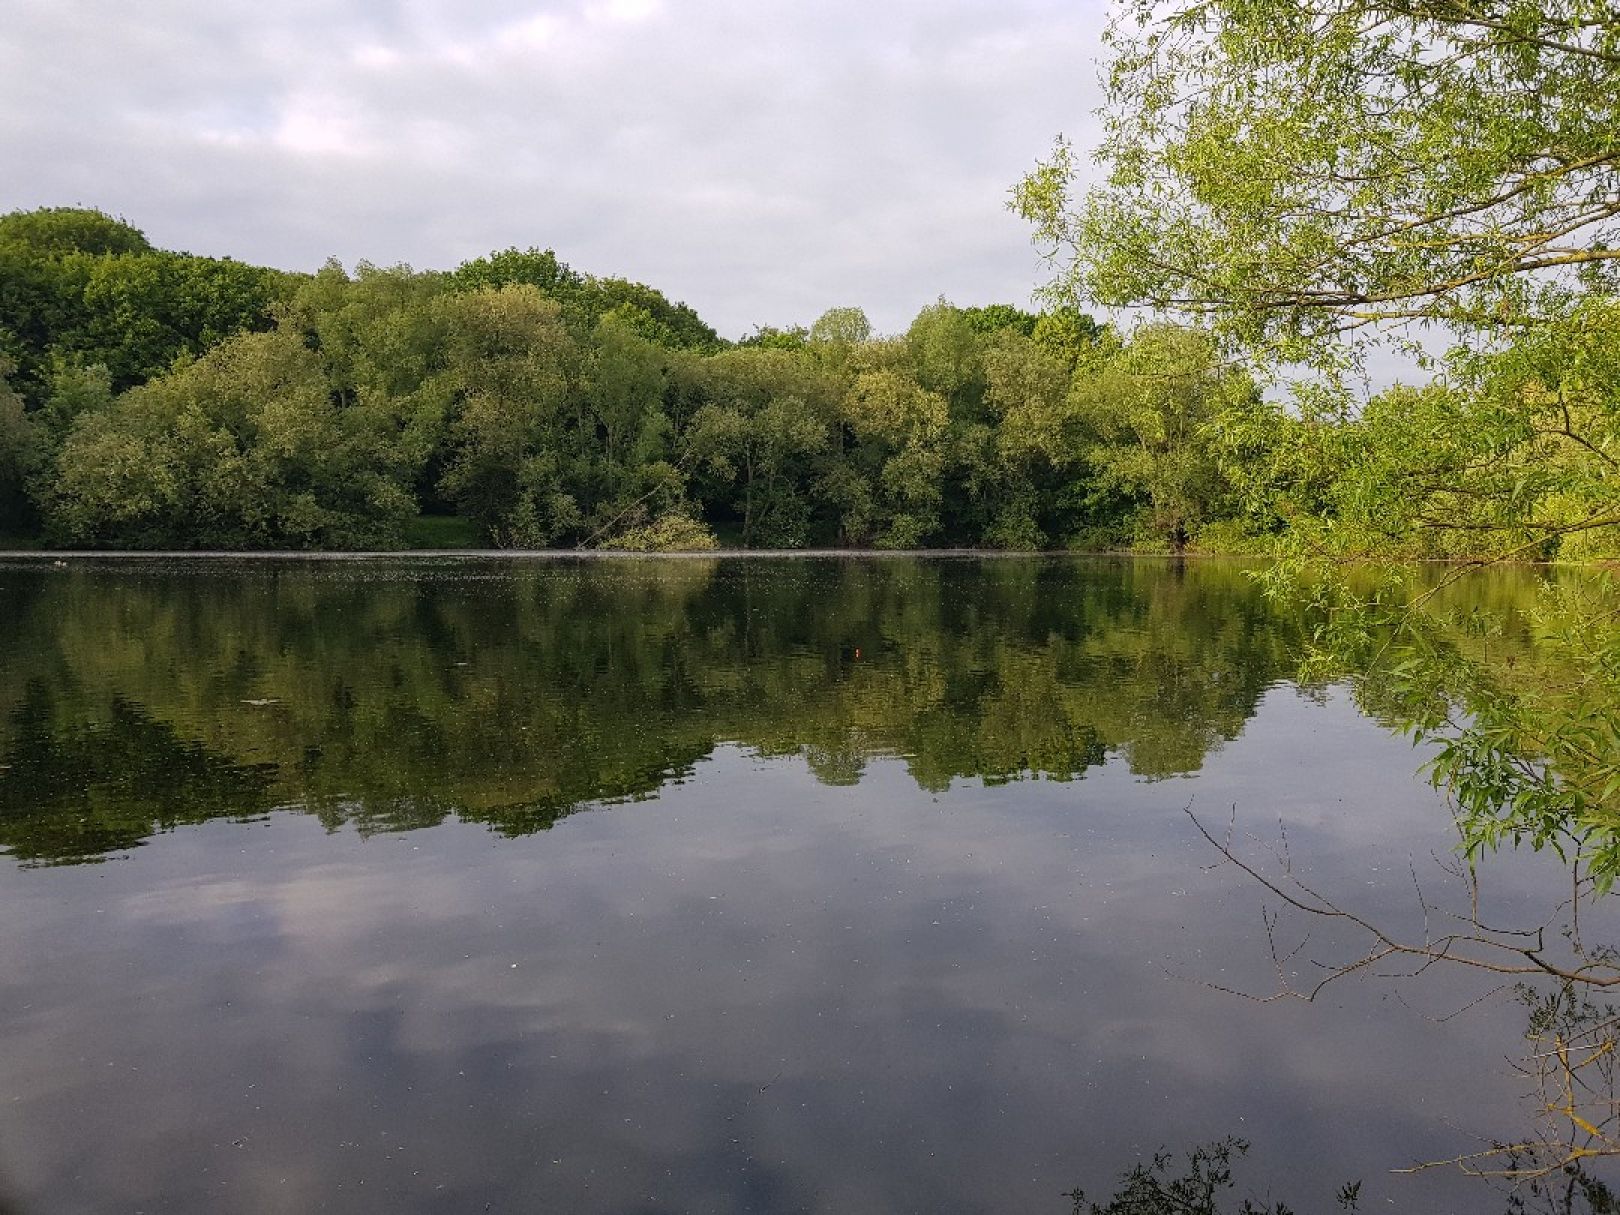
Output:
x=154 y=399
x=162 y=400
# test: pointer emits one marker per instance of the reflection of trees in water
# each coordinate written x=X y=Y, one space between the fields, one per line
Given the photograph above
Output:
x=76 y=789
x=1513 y=680
x=391 y=698
x=1518 y=698
x=1571 y=1066
x=1571 y=1036
x=1205 y=1182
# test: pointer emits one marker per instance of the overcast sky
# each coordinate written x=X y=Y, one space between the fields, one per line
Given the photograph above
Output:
x=761 y=160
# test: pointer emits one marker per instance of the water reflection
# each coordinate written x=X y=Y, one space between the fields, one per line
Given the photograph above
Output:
x=851 y=951
x=1205 y=1181
x=395 y=697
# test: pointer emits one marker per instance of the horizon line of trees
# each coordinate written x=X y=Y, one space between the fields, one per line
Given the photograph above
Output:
x=153 y=399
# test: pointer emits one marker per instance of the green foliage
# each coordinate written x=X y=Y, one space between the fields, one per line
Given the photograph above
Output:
x=842 y=327
x=1297 y=176
x=58 y=231
x=1068 y=333
x=1292 y=170
x=585 y=300
x=507 y=367
x=1151 y=407
x=19 y=454
x=673 y=533
x=242 y=449
x=509 y=267
x=1514 y=455
x=792 y=338
x=1159 y=1187
x=991 y=318
x=945 y=355
x=79 y=286
x=547 y=408
x=74 y=389
x=757 y=447
x=141 y=311
x=1518 y=698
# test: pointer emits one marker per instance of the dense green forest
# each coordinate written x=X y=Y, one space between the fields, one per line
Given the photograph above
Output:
x=159 y=399
x=154 y=399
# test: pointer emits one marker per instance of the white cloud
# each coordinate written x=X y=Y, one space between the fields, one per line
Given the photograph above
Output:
x=625 y=12
x=316 y=124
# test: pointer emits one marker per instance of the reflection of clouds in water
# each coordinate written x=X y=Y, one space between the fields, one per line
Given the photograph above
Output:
x=757 y=992
x=182 y=903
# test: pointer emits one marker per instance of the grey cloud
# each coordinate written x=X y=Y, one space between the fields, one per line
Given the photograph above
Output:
x=763 y=161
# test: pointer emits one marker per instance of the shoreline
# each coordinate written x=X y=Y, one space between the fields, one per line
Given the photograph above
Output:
x=540 y=555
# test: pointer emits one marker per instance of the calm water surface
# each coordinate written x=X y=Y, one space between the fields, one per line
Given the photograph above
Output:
x=665 y=886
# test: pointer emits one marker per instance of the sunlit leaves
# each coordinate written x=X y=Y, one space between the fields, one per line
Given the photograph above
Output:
x=1293 y=171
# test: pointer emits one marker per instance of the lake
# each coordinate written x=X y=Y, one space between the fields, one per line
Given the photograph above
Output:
x=820 y=884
